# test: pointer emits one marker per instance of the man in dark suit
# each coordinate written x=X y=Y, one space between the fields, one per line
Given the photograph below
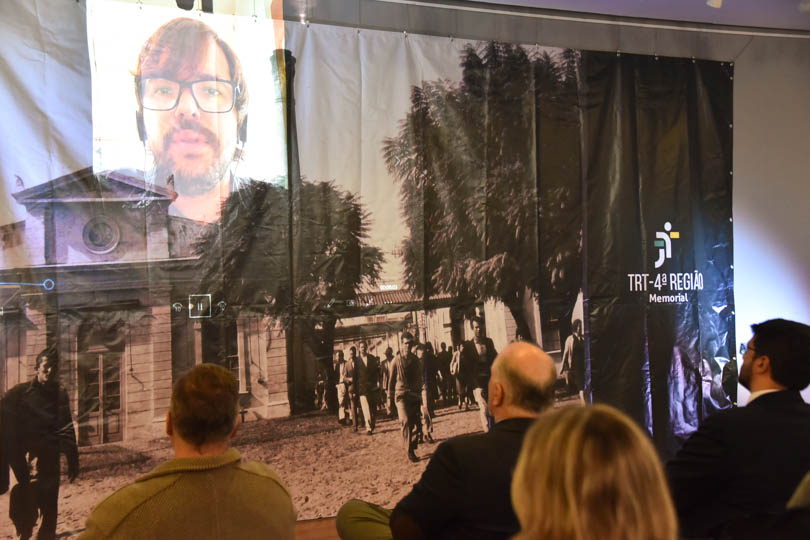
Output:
x=447 y=384
x=465 y=489
x=366 y=376
x=744 y=463
x=477 y=356
x=350 y=379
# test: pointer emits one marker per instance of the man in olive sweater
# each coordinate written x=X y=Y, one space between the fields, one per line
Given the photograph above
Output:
x=208 y=490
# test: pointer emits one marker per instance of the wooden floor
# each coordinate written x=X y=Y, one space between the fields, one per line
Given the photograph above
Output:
x=316 y=529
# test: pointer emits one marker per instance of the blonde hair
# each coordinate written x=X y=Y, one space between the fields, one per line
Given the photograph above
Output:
x=590 y=472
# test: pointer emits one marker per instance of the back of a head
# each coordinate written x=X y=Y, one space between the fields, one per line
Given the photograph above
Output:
x=527 y=374
x=590 y=472
x=787 y=344
x=205 y=404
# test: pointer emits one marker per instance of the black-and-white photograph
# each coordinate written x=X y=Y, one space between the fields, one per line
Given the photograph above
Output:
x=355 y=246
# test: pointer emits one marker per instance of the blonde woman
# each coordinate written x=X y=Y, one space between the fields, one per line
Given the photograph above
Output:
x=590 y=473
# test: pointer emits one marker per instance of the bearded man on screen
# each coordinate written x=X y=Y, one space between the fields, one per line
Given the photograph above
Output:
x=192 y=115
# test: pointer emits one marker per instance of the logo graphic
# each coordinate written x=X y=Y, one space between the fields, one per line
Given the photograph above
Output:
x=663 y=241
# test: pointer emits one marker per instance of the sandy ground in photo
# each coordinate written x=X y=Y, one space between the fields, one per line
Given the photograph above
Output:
x=324 y=464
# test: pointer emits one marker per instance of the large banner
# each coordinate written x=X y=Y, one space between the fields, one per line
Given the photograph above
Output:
x=578 y=199
x=291 y=206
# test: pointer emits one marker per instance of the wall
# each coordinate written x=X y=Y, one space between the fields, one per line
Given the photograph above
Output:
x=771 y=121
x=771 y=112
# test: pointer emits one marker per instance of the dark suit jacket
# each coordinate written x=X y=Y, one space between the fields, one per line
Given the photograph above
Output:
x=741 y=462
x=366 y=376
x=464 y=491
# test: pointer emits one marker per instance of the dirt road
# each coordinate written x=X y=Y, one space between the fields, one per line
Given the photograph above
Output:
x=324 y=464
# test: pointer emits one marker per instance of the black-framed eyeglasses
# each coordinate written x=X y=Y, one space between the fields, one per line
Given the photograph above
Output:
x=210 y=95
x=744 y=348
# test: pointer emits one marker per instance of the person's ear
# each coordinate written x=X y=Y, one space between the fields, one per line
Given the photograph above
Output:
x=497 y=397
x=169 y=428
x=762 y=364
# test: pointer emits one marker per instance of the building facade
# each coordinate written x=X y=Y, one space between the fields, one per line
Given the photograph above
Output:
x=101 y=270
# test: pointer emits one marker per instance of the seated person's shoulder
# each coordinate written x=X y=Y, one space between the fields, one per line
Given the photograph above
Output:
x=261 y=471
x=736 y=422
x=726 y=415
x=114 y=509
x=723 y=423
x=461 y=443
x=259 y=484
x=469 y=449
x=777 y=405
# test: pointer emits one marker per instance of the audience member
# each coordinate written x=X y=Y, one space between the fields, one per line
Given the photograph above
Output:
x=590 y=472
x=744 y=463
x=464 y=491
x=791 y=524
x=208 y=490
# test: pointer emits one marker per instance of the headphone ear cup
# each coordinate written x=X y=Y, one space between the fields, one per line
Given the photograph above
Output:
x=241 y=131
x=141 y=126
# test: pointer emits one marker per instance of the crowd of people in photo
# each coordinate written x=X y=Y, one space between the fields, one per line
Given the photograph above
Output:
x=441 y=382
x=409 y=384
x=534 y=471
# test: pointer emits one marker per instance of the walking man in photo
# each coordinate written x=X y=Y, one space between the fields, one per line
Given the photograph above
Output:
x=406 y=387
x=367 y=373
x=477 y=356
x=36 y=428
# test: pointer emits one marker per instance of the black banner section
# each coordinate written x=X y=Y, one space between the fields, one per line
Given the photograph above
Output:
x=658 y=276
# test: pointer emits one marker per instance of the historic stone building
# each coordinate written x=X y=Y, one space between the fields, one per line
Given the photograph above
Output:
x=100 y=269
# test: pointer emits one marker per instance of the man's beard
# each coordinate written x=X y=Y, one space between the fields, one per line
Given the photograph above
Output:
x=167 y=173
x=744 y=378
